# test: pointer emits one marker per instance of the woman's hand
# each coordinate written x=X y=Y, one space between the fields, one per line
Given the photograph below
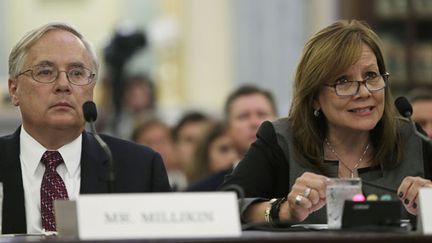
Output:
x=408 y=192
x=307 y=195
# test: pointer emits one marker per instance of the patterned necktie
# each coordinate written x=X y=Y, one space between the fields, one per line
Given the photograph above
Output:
x=52 y=188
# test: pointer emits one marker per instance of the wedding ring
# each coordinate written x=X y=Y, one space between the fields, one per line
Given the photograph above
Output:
x=307 y=192
x=298 y=199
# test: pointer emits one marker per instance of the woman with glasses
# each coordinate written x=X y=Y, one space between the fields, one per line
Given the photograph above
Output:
x=342 y=123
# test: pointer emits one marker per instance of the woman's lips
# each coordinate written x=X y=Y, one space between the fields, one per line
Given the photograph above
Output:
x=362 y=109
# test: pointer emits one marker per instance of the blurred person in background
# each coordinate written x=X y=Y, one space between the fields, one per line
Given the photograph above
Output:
x=139 y=95
x=186 y=134
x=421 y=101
x=157 y=135
x=138 y=103
x=245 y=109
x=214 y=153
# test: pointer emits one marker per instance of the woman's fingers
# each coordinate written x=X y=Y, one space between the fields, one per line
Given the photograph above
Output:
x=307 y=195
x=408 y=192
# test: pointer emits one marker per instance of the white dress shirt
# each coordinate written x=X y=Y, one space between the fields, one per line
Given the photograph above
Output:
x=33 y=170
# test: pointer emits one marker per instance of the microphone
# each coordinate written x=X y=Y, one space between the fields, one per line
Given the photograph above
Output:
x=90 y=115
x=405 y=109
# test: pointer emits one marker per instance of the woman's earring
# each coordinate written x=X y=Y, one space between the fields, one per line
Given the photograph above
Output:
x=316 y=112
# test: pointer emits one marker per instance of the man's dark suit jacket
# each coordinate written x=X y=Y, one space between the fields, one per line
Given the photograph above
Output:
x=138 y=169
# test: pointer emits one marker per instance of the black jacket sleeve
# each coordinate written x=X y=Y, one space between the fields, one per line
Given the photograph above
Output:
x=427 y=153
x=264 y=171
x=427 y=159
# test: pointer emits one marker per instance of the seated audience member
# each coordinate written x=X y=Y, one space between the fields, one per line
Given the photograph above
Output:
x=52 y=72
x=139 y=95
x=245 y=109
x=155 y=134
x=421 y=101
x=186 y=134
x=138 y=103
x=215 y=153
x=342 y=123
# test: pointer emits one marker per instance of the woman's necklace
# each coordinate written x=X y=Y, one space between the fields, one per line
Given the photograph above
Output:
x=343 y=163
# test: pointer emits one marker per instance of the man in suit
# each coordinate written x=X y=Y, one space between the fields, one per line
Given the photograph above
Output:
x=52 y=72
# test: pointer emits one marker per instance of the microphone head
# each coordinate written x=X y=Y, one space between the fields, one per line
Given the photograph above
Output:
x=89 y=110
x=403 y=106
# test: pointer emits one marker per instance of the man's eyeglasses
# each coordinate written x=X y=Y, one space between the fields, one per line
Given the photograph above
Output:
x=374 y=82
x=48 y=74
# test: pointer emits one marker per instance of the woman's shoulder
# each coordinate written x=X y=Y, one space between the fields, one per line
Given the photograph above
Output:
x=275 y=126
x=283 y=122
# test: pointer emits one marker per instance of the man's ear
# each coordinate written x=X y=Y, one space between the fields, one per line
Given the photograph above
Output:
x=13 y=87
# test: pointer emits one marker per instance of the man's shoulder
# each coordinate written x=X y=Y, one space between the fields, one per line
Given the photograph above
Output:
x=6 y=138
x=11 y=136
x=9 y=140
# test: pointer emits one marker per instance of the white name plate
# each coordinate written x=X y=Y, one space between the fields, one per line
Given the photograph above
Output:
x=424 y=217
x=152 y=215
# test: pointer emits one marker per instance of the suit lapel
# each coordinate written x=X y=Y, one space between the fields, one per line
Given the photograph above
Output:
x=14 y=217
x=93 y=166
x=93 y=171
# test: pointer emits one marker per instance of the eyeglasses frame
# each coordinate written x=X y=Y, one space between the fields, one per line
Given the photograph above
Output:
x=385 y=77
x=90 y=78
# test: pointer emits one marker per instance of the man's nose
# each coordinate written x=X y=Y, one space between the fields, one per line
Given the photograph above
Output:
x=62 y=81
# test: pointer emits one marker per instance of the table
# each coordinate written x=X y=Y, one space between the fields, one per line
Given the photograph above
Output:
x=259 y=236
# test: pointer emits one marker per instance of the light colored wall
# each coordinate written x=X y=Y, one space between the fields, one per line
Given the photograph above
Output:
x=320 y=14
x=269 y=37
x=94 y=18
x=3 y=29
x=207 y=53
x=196 y=72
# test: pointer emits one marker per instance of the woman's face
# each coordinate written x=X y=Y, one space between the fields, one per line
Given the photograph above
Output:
x=222 y=153
x=360 y=112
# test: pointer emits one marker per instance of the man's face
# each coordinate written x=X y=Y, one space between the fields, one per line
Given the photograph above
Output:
x=158 y=137
x=245 y=116
x=56 y=105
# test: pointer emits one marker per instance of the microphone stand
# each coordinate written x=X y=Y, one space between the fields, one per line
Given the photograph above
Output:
x=405 y=109
x=419 y=134
x=110 y=174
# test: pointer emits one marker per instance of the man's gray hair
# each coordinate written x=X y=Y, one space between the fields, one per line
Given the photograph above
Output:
x=19 y=52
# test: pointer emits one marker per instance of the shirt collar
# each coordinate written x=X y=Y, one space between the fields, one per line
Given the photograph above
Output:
x=32 y=151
